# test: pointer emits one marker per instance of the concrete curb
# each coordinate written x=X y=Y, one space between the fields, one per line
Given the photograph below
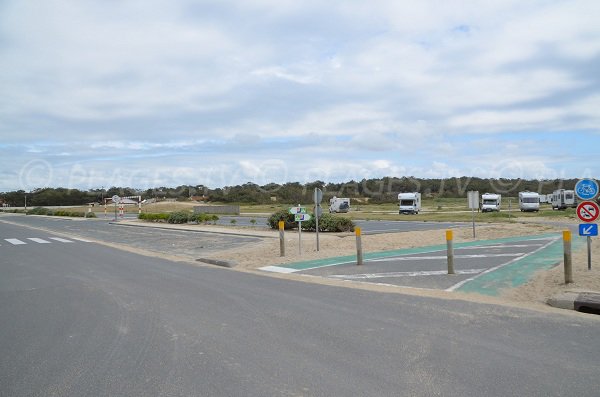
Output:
x=217 y=262
x=585 y=302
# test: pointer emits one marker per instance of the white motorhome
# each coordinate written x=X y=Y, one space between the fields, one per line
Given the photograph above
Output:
x=339 y=205
x=545 y=198
x=490 y=202
x=410 y=203
x=529 y=201
x=563 y=199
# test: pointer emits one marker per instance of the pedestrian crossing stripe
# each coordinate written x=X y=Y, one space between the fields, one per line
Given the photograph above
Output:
x=45 y=240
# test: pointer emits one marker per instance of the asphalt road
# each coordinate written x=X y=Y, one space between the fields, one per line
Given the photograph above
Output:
x=82 y=319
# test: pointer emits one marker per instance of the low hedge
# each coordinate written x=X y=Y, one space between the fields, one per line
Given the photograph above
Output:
x=327 y=222
x=178 y=217
x=49 y=212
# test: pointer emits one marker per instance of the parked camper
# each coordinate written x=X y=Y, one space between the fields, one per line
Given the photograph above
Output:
x=545 y=198
x=490 y=202
x=410 y=203
x=563 y=199
x=529 y=201
x=339 y=205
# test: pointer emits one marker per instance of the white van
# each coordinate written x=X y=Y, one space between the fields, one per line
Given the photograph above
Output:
x=490 y=202
x=529 y=201
x=410 y=203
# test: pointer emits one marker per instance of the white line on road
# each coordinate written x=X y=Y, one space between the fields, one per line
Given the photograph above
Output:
x=15 y=241
x=38 y=240
x=81 y=239
x=438 y=257
x=62 y=240
x=277 y=269
x=404 y=274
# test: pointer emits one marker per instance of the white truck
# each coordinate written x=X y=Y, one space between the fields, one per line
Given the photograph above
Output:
x=529 y=201
x=410 y=203
x=339 y=205
x=563 y=199
x=490 y=202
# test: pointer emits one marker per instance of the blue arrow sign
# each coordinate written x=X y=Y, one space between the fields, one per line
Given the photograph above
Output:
x=586 y=189
x=588 y=229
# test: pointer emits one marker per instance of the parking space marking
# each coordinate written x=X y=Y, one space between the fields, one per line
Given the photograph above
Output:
x=444 y=257
x=403 y=274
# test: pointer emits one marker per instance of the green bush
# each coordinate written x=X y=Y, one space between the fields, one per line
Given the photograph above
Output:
x=153 y=217
x=327 y=222
x=178 y=217
x=39 y=211
x=203 y=218
x=91 y=215
x=282 y=215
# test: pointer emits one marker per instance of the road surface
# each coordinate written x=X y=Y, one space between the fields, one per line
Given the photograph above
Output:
x=83 y=319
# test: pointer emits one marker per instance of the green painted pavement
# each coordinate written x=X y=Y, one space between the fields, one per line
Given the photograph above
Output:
x=519 y=271
x=312 y=264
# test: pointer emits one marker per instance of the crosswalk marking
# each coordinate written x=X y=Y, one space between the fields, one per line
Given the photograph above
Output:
x=15 y=241
x=81 y=239
x=62 y=240
x=38 y=240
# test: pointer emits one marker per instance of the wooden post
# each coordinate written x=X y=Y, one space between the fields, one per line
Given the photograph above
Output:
x=359 y=253
x=450 y=251
x=567 y=257
x=281 y=238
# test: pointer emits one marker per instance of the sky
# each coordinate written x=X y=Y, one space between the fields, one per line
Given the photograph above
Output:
x=155 y=93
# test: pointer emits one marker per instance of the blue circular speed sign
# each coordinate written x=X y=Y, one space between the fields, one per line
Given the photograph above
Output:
x=586 y=189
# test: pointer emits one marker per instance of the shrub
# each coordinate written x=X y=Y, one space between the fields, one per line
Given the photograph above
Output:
x=39 y=211
x=329 y=223
x=91 y=215
x=282 y=215
x=203 y=218
x=178 y=217
x=153 y=217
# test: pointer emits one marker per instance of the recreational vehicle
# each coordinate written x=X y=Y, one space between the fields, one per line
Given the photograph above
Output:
x=410 y=203
x=339 y=205
x=490 y=202
x=563 y=199
x=529 y=201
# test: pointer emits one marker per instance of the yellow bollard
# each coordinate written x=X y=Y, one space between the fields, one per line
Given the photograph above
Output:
x=281 y=238
x=567 y=256
x=450 y=251
x=359 y=253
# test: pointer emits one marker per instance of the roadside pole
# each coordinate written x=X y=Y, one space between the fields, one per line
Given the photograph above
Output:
x=450 y=251
x=567 y=257
x=317 y=197
x=299 y=238
x=281 y=238
x=473 y=199
x=359 y=253
x=589 y=247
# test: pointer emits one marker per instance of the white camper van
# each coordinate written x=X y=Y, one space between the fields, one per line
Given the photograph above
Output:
x=563 y=199
x=545 y=198
x=410 y=203
x=339 y=205
x=529 y=201
x=490 y=202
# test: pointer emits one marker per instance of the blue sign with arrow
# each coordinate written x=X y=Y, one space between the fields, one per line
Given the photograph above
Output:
x=586 y=189
x=588 y=229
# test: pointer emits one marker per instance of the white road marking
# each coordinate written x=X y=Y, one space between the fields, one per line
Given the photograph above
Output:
x=277 y=269
x=405 y=274
x=81 y=239
x=62 y=240
x=15 y=241
x=444 y=257
x=38 y=240
x=479 y=247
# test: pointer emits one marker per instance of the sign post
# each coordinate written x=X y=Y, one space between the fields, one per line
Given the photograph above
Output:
x=115 y=200
x=473 y=197
x=317 y=196
x=299 y=216
x=587 y=211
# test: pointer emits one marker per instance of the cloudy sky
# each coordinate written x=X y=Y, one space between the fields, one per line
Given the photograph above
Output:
x=162 y=93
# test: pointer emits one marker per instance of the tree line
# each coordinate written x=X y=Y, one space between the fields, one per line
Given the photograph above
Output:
x=378 y=190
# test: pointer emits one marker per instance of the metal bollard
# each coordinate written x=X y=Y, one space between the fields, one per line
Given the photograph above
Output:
x=359 y=253
x=567 y=256
x=281 y=239
x=450 y=251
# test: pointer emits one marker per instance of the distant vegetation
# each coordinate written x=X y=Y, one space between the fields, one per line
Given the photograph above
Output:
x=382 y=190
x=178 y=217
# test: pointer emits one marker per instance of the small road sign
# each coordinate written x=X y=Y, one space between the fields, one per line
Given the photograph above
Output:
x=115 y=198
x=298 y=210
x=302 y=217
x=588 y=211
x=586 y=189
x=588 y=229
x=318 y=195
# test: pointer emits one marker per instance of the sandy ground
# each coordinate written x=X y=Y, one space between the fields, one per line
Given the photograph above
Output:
x=544 y=284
